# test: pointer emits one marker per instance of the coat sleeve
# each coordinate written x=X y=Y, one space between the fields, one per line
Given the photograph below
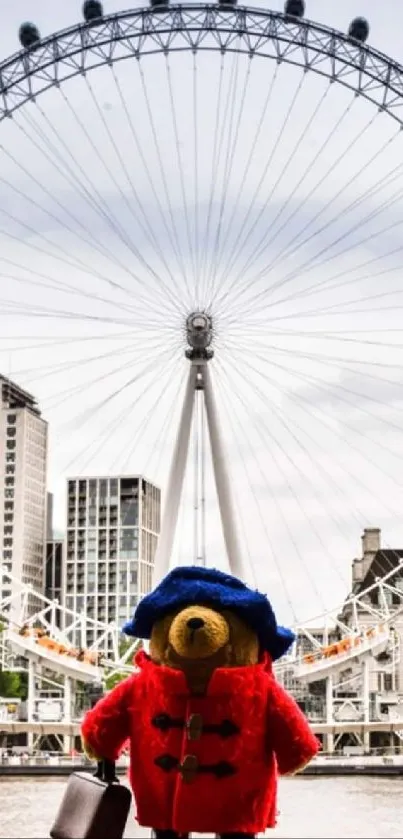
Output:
x=290 y=735
x=106 y=727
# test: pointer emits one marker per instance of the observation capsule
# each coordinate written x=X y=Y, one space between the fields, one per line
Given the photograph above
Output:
x=229 y=4
x=156 y=4
x=294 y=8
x=92 y=10
x=359 y=29
x=28 y=35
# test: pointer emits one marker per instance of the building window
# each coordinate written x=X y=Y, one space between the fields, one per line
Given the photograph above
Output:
x=8 y=493
x=129 y=543
x=10 y=457
x=10 y=444
x=11 y=419
x=129 y=511
x=388 y=681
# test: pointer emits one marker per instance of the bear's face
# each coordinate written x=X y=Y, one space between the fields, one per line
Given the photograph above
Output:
x=197 y=639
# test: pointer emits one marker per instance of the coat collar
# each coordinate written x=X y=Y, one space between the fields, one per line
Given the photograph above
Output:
x=225 y=680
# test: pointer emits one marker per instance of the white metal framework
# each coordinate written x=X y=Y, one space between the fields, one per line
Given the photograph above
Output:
x=361 y=641
x=364 y=633
x=39 y=636
x=55 y=646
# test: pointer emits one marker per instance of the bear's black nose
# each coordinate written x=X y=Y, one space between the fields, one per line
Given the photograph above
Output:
x=195 y=623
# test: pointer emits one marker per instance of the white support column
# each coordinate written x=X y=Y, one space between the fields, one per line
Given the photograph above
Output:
x=175 y=482
x=222 y=481
x=83 y=633
x=365 y=703
x=31 y=702
x=67 y=702
x=329 y=740
x=68 y=695
x=203 y=486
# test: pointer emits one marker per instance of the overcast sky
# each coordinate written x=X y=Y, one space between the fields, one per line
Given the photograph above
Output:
x=127 y=195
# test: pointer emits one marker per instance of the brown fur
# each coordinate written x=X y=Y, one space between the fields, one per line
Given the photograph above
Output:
x=223 y=641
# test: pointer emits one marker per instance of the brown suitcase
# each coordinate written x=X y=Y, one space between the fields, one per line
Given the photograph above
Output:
x=93 y=806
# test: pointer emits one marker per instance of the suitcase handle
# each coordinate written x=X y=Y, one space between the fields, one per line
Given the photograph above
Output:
x=106 y=772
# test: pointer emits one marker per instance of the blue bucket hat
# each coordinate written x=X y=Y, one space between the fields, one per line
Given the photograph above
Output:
x=191 y=585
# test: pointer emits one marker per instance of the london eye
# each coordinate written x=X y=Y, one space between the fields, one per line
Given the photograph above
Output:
x=200 y=226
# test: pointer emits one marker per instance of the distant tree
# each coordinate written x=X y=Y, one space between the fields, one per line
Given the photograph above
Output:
x=13 y=684
x=112 y=681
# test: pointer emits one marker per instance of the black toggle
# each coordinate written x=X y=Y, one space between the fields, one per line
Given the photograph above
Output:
x=164 y=722
x=166 y=762
x=224 y=729
x=220 y=770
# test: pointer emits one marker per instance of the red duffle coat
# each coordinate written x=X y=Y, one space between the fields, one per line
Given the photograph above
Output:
x=251 y=730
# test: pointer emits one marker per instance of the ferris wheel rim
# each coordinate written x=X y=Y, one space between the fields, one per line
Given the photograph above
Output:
x=297 y=42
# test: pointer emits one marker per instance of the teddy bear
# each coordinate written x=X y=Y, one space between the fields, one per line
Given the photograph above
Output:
x=210 y=728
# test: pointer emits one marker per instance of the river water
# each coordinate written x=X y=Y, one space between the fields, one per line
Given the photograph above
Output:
x=369 y=808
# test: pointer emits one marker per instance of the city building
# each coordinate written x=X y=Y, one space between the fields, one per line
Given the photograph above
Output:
x=23 y=468
x=54 y=571
x=113 y=525
x=49 y=516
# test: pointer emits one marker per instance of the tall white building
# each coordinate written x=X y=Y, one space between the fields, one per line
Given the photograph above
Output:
x=23 y=468
x=112 y=529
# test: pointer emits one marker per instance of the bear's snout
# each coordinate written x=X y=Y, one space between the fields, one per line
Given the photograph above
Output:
x=198 y=632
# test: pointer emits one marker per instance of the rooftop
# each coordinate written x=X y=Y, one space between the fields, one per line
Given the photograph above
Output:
x=383 y=562
x=13 y=396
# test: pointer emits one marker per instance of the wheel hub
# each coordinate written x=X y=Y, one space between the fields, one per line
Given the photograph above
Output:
x=199 y=334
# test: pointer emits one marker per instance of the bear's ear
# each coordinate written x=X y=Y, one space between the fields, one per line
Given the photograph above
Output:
x=159 y=640
x=244 y=641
